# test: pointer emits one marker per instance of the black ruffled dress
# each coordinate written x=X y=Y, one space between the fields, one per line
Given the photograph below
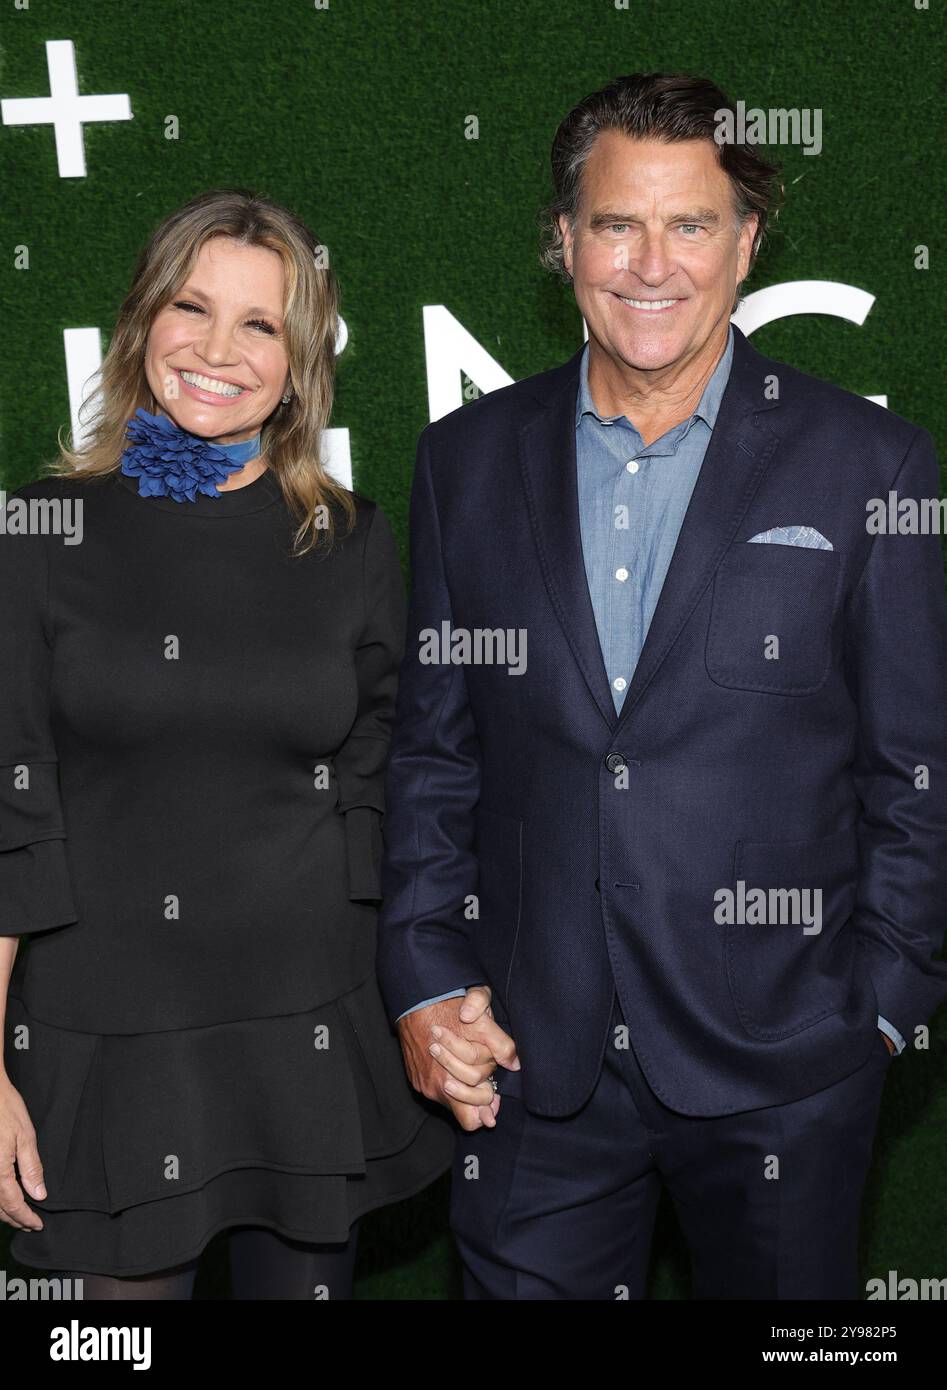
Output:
x=193 y=730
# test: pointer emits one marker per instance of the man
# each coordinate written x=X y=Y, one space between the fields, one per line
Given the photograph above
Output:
x=695 y=853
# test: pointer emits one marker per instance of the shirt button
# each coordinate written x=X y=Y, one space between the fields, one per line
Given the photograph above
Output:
x=632 y=465
x=619 y=682
x=621 y=574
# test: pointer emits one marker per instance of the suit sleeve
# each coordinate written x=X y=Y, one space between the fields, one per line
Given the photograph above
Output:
x=35 y=888
x=898 y=653
x=433 y=786
x=360 y=763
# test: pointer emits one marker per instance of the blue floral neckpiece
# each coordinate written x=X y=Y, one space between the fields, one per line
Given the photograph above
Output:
x=169 y=462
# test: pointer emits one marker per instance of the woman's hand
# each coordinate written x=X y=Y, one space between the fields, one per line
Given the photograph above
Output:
x=18 y=1146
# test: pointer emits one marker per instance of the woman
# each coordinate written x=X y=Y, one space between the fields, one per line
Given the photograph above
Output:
x=194 y=711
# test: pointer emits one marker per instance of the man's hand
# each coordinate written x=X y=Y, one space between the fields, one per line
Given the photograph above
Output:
x=887 y=1039
x=451 y=1049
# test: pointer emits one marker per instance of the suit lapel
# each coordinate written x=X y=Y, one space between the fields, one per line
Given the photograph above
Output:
x=738 y=453
x=547 y=464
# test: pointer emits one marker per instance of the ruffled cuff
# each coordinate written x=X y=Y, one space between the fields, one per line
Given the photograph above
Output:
x=35 y=889
x=35 y=885
x=363 y=846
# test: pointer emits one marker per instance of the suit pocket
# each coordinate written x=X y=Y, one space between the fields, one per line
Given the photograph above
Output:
x=791 y=950
x=771 y=618
x=499 y=894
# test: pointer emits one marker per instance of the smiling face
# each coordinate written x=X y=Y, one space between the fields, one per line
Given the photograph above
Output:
x=655 y=227
x=216 y=358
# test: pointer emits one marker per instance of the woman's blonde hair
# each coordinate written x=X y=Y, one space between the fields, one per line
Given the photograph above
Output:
x=291 y=438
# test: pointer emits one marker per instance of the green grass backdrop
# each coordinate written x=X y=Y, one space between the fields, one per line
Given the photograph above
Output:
x=353 y=114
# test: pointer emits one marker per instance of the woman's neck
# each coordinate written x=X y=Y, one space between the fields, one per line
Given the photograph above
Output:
x=244 y=476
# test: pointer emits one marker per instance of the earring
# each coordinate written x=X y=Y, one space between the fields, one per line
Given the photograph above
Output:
x=286 y=399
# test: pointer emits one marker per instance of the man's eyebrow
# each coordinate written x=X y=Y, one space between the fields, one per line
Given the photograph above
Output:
x=705 y=216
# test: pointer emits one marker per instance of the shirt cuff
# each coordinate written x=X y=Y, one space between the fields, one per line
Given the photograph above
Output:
x=893 y=1034
x=451 y=994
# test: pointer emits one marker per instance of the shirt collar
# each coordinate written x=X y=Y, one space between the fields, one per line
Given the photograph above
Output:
x=707 y=406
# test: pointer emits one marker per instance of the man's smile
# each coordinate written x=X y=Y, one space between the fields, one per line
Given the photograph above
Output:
x=647 y=306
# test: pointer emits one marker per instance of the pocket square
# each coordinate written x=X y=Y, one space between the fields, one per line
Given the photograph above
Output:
x=806 y=536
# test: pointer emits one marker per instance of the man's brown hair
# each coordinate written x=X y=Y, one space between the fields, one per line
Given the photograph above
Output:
x=654 y=106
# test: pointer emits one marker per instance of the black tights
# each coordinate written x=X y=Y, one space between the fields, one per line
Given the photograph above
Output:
x=262 y=1265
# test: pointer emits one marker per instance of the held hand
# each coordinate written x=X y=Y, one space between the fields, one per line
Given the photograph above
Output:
x=887 y=1039
x=18 y=1146
x=473 y=1102
x=472 y=1054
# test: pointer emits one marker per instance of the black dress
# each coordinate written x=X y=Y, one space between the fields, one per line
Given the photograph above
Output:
x=193 y=731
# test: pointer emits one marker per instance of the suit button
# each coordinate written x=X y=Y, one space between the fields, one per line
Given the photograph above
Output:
x=615 y=762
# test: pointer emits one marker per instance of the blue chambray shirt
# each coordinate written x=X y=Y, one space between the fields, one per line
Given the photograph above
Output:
x=632 y=500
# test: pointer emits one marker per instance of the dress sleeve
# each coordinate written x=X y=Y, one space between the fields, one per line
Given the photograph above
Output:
x=360 y=763
x=35 y=889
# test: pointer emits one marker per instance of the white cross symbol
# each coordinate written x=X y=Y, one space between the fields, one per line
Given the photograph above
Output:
x=65 y=109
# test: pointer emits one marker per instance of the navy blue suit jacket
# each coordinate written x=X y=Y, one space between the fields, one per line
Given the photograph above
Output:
x=798 y=772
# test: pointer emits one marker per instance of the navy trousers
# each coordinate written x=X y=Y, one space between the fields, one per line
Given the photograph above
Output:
x=768 y=1200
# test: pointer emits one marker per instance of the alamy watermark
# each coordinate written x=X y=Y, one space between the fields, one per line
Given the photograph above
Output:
x=478 y=646
x=907 y=516
x=41 y=1290
x=906 y=1290
x=769 y=907
x=775 y=126
x=41 y=516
